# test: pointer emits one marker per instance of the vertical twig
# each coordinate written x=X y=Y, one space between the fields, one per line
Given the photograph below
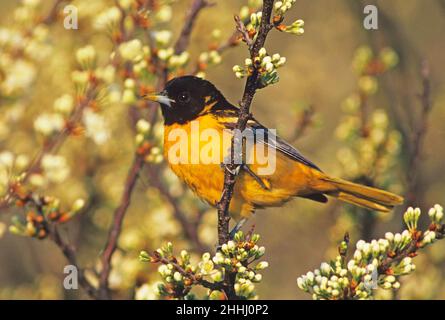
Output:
x=229 y=172
x=116 y=227
x=249 y=92
x=418 y=134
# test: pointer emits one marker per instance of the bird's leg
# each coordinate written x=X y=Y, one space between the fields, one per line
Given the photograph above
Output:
x=246 y=168
x=234 y=171
x=226 y=165
x=237 y=227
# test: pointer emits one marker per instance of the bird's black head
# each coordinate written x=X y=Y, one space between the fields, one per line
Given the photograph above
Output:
x=185 y=98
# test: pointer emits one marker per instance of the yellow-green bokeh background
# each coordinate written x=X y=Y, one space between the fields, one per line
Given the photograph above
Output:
x=318 y=72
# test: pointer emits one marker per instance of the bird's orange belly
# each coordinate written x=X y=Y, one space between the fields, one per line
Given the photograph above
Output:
x=286 y=180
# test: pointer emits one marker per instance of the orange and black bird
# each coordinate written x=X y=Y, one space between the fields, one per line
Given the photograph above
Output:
x=196 y=114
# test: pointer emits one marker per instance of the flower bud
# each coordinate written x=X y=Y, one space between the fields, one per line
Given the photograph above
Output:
x=78 y=205
x=64 y=104
x=262 y=53
x=162 y=37
x=131 y=50
x=262 y=265
x=389 y=236
x=144 y=256
x=325 y=268
x=86 y=56
x=217 y=276
x=237 y=68
x=143 y=126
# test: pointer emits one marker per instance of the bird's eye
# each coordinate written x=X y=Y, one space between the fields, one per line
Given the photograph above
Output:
x=184 y=97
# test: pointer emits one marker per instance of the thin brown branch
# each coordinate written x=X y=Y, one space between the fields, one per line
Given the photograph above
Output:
x=70 y=254
x=231 y=42
x=411 y=249
x=52 y=14
x=68 y=250
x=186 y=32
x=249 y=92
x=113 y=235
x=303 y=122
x=53 y=144
x=241 y=28
x=418 y=136
x=230 y=170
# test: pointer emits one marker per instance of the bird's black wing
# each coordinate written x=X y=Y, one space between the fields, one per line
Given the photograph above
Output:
x=230 y=117
x=274 y=141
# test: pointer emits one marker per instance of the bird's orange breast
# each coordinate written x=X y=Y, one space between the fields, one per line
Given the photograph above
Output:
x=196 y=149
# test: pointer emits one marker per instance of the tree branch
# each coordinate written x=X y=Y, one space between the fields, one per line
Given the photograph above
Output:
x=419 y=133
x=54 y=143
x=70 y=254
x=229 y=172
x=116 y=227
x=249 y=92
x=52 y=14
x=186 y=32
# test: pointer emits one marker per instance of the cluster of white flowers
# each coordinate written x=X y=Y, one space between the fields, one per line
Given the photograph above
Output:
x=283 y=6
x=129 y=95
x=266 y=64
x=144 y=134
x=35 y=224
x=64 y=104
x=49 y=123
x=55 y=168
x=106 y=73
x=252 y=5
x=372 y=265
x=211 y=58
x=206 y=59
x=255 y=20
x=173 y=60
x=179 y=61
x=108 y=19
x=96 y=127
x=132 y=50
x=436 y=214
x=22 y=45
x=235 y=256
x=80 y=78
x=162 y=37
x=371 y=147
x=86 y=56
x=295 y=28
x=20 y=74
x=164 y=13
x=11 y=166
x=148 y=291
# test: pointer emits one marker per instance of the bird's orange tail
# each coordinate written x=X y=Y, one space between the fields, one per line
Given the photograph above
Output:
x=367 y=197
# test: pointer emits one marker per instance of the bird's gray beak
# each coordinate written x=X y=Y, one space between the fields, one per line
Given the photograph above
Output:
x=162 y=98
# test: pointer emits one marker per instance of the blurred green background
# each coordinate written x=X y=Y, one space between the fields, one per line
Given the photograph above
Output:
x=297 y=236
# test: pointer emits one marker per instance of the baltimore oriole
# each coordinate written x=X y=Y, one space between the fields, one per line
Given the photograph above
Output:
x=189 y=99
